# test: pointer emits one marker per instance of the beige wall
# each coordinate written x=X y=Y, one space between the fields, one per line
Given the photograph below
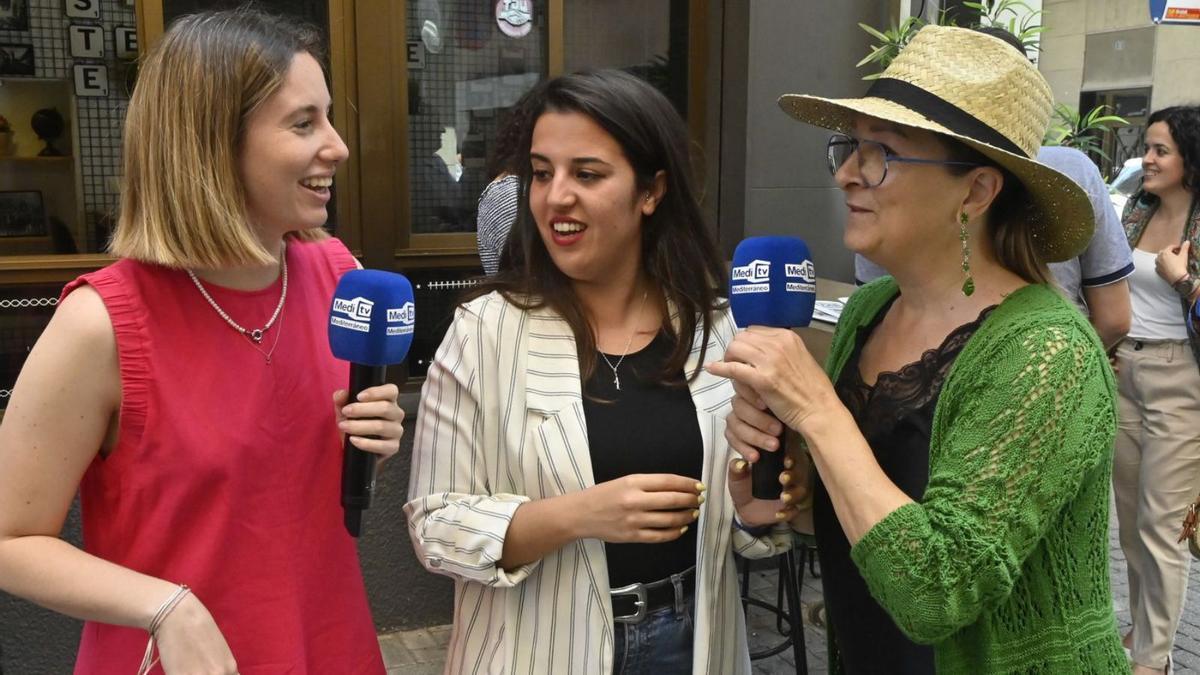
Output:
x=1176 y=60
x=1176 y=66
x=1062 y=50
x=1105 y=15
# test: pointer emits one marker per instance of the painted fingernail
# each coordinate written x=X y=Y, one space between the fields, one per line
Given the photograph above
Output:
x=700 y=487
x=780 y=515
x=786 y=497
x=699 y=500
x=683 y=530
x=739 y=466
x=787 y=462
x=695 y=514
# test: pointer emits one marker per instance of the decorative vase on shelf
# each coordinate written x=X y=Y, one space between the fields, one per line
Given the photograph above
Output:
x=48 y=124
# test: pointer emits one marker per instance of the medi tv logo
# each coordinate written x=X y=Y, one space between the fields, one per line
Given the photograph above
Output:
x=405 y=315
x=357 y=313
x=805 y=273
x=753 y=277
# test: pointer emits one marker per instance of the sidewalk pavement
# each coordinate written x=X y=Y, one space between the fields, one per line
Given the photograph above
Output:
x=421 y=652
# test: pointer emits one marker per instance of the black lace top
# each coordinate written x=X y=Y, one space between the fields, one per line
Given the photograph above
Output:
x=896 y=416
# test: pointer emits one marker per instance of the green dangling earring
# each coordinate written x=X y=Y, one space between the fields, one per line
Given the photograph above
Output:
x=968 y=287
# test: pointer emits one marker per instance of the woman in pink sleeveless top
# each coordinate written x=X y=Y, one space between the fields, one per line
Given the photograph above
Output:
x=188 y=391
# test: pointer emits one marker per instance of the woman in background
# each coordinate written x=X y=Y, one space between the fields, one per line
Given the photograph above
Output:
x=1156 y=471
x=499 y=201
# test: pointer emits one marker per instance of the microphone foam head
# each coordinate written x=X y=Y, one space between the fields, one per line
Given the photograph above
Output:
x=772 y=283
x=371 y=318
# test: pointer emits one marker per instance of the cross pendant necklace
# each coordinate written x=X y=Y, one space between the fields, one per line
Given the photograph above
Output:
x=625 y=352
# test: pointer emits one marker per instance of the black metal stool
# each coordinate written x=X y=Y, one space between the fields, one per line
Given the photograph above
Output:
x=792 y=614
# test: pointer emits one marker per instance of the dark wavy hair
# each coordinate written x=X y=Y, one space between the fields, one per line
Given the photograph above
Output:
x=1183 y=121
x=506 y=152
x=679 y=252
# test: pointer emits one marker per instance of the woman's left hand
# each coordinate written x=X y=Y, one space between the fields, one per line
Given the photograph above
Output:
x=1171 y=263
x=776 y=365
x=374 y=422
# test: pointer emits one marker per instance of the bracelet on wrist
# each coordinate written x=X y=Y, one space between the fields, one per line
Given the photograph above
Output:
x=167 y=607
x=1185 y=285
x=164 y=610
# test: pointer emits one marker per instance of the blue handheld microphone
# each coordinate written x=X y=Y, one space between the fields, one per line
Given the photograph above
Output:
x=371 y=326
x=772 y=283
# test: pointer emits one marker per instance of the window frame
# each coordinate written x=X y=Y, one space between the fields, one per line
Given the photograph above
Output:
x=366 y=47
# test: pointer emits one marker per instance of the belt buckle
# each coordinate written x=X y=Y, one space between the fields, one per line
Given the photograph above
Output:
x=632 y=589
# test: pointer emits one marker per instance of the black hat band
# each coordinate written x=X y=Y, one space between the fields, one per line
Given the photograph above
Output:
x=941 y=111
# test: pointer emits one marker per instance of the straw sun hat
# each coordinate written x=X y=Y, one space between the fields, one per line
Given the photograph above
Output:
x=979 y=90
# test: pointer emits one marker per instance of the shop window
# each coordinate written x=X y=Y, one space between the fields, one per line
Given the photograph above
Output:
x=647 y=39
x=64 y=83
x=468 y=63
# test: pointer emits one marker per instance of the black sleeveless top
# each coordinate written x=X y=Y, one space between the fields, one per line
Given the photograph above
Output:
x=644 y=427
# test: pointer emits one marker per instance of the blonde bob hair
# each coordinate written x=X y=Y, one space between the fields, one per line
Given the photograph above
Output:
x=182 y=202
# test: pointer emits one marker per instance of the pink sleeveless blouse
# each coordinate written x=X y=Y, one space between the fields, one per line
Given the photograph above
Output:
x=226 y=472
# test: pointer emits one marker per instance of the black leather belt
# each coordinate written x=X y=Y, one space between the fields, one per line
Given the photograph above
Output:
x=1139 y=345
x=632 y=603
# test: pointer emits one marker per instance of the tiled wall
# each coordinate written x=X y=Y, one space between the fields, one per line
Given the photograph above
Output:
x=100 y=118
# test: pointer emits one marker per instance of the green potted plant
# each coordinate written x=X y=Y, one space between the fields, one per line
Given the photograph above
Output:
x=1082 y=131
x=1013 y=16
x=6 y=137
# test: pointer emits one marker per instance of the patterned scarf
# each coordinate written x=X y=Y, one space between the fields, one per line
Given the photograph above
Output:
x=1141 y=207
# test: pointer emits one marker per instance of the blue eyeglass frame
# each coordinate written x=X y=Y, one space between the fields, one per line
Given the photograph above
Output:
x=854 y=143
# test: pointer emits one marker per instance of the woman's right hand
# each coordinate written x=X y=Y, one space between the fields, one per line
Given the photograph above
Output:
x=644 y=508
x=750 y=428
x=189 y=642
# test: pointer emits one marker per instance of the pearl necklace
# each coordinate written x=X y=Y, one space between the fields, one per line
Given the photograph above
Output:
x=254 y=335
x=616 y=377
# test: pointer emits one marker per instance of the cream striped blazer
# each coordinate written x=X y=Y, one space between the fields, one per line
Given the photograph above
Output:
x=501 y=423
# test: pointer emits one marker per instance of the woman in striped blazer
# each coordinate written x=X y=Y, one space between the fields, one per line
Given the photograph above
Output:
x=570 y=470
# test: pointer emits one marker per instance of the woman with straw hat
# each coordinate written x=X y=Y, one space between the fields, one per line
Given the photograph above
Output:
x=962 y=430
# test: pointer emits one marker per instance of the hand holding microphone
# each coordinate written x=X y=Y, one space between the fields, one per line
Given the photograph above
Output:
x=772 y=290
x=371 y=324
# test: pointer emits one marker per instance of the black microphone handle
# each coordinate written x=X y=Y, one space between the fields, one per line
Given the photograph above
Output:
x=358 y=466
x=764 y=474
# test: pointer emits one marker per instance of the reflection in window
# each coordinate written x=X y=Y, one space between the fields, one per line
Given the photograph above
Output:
x=468 y=62
x=647 y=39
x=315 y=12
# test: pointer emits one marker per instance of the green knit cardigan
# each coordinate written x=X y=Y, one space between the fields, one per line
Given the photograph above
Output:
x=1003 y=564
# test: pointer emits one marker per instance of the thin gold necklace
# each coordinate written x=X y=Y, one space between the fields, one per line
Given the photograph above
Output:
x=617 y=377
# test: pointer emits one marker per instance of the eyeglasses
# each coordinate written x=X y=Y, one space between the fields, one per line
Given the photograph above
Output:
x=873 y=158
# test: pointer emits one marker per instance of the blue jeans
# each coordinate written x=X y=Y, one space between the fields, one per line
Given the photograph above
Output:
x=660 y=645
